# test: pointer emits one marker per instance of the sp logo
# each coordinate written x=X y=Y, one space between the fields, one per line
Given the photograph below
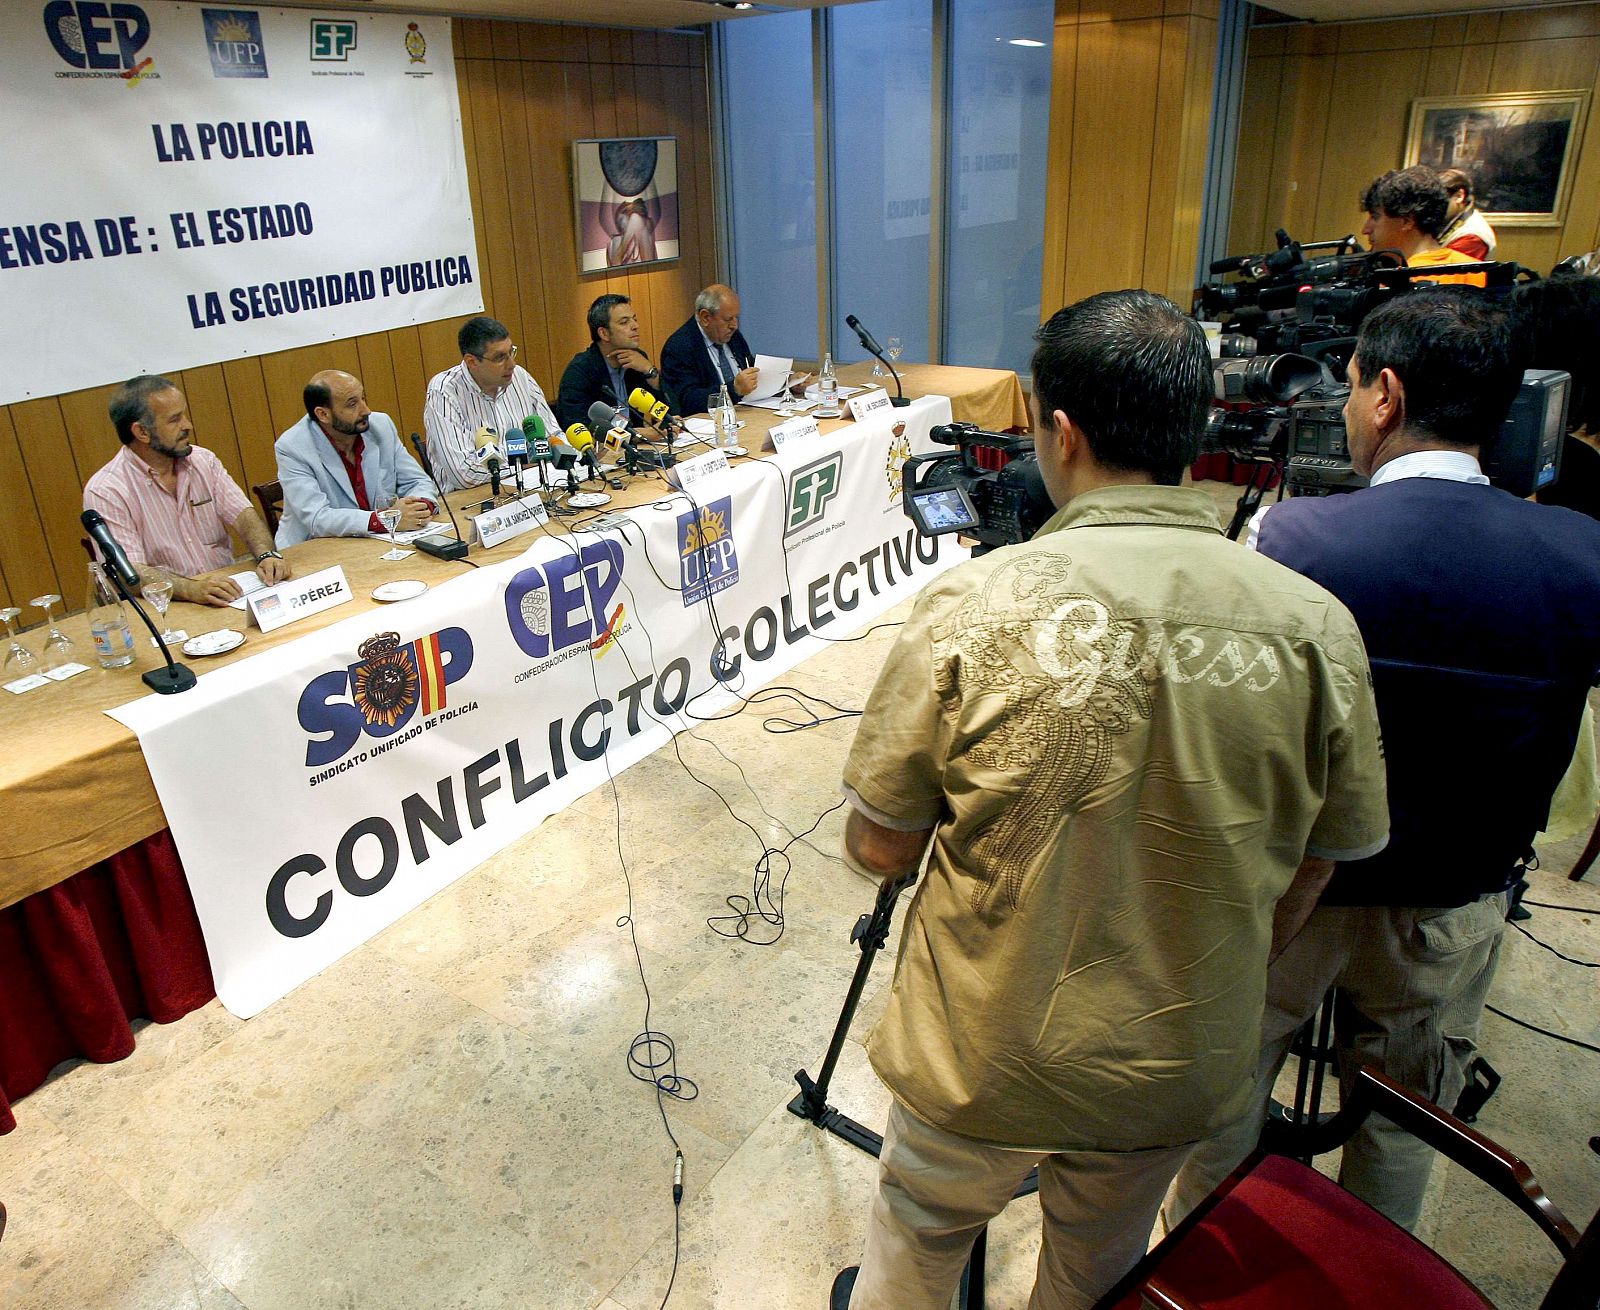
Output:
x=381 y=693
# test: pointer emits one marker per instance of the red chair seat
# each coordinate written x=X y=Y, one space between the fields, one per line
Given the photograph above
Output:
x=1287 y=1236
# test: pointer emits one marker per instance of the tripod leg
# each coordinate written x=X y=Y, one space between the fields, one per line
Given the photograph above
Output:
x=870 y=934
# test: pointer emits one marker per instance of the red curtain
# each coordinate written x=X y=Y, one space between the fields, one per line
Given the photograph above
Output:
x=79 y=960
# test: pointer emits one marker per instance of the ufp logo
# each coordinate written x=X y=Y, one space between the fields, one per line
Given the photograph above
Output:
x=332 y=39
x=91 y=35
x=234 y=38
x=567 y=601
x=380 y=693
x=810 y=490
x=706 y=551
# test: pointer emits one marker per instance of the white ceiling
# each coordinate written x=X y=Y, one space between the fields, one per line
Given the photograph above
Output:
x=589 y=13
x=1334 y=11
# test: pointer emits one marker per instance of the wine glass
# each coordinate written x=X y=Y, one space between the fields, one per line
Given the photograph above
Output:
x=157 y=590
x=20 y=662
x=58 y=648
x=389 y=515
x=895 y=349
x=786 y=400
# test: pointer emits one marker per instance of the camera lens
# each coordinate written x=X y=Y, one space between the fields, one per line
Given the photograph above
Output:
x=1266 y=379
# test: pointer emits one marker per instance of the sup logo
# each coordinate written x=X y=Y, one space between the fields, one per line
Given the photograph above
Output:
x=895 y=462
x=380 y=693
x=234 y=38
x=332 y=40
x=810 y=490
x=706 y=551
x=567 y=602
x=105 y=38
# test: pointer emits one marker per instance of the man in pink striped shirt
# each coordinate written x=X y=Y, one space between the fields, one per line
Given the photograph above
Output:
x=170 y=504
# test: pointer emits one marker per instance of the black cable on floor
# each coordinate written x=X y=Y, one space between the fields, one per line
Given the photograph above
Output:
x=1543 y=1032
x=1582 y=964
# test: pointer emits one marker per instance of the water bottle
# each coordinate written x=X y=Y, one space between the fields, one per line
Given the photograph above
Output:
x=727 y=420
x=828 y=389
x=108 y=621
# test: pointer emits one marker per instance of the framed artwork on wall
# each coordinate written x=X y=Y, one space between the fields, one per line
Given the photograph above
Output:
x=626 y=199
x=1519 y=149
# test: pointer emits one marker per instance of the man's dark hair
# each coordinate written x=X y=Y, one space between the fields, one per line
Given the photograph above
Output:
x=1456 y=179
x=1558 y=323
x=1414 y=192
x=478 y=334
x=1454 y=350
x=1132 y=370
x=317 y=394
x=130 y=404
x=600 y=313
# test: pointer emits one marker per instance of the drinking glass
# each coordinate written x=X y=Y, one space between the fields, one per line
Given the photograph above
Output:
x=786 y=401
x=58 y=648
x=389 y=516
x=895 y=349
x=20 y=662
x=158 y=591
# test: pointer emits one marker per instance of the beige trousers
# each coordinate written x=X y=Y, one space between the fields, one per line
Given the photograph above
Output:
x=937 y=1190
x=1412 y=987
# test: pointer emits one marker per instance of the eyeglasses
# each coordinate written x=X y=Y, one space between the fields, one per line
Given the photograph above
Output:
x=499 y=357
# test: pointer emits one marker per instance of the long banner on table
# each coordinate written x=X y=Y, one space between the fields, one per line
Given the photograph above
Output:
x=324 y=788
x=188 y=183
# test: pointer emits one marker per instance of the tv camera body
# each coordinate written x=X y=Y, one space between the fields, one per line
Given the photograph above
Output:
x=955 y=493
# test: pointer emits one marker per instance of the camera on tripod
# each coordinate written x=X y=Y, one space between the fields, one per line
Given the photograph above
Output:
x=956 y=493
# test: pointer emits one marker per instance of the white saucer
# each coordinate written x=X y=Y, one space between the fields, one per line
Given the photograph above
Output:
x=219 y=642
x=588 y=499
x=403 y=589
x=731 y=451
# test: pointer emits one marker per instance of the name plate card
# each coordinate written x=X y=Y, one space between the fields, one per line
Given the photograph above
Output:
x=868 y=402
x=701 y=467
x=794 y=430
x=507 y=521
x=272 y=607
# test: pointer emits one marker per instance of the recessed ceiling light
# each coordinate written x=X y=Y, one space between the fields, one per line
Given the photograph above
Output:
x=1024 y=41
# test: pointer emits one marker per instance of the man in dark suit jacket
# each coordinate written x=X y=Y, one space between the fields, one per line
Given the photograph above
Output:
x=709 y=352
x=612 y=367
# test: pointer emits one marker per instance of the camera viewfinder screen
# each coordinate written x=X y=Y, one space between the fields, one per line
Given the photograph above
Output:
x=943 y=509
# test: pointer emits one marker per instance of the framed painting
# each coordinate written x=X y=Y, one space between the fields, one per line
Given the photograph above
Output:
x=626 y=195
x=1519 y=149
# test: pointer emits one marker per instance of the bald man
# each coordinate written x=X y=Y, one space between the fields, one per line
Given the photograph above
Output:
x=707 y=352
x=342 y=463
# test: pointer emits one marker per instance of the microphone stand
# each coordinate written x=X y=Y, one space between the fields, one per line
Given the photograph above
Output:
x=898 y=400
x=175 y=677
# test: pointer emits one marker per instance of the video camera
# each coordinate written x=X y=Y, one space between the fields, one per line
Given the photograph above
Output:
x=1288 y=408
x=955 y=493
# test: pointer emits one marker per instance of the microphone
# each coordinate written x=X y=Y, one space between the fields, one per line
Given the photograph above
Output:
x=485 y=441
x=582 y=440
x=862 y=335
x=899 y=400
x=439 y=547
x=516 y=442
x=113 y=555
x=647 y=406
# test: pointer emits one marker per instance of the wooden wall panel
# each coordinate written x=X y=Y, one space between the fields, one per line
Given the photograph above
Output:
x=527 y=90
x=1130 y=104
x=1340 y=96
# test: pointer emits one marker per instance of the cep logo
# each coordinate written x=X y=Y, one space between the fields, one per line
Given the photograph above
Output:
x=709 y=560
x=93 y=35
x=810 y=490
x=332 y=39
x=567 y=602
x=380 y=693
x=234 y=38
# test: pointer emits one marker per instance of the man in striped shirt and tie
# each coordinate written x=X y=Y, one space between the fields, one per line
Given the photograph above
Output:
x=488 y=388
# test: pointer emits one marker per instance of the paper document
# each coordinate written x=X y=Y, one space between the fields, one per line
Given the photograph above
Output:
x=248 y=582
x=812 y=393
x=403 y=538
x=771 y=373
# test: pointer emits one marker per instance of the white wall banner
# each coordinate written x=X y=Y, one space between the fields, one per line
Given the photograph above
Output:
x=190 y=183
x=393 y=752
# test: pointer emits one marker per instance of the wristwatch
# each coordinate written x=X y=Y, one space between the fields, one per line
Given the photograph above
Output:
x=265 y=555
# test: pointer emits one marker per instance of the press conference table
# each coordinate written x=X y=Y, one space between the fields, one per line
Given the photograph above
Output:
x=96 y=925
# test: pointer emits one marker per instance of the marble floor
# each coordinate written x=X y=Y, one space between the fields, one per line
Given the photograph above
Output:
x=446 y=1117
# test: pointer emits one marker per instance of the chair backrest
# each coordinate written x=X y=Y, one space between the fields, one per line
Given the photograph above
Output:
x=270 y=494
